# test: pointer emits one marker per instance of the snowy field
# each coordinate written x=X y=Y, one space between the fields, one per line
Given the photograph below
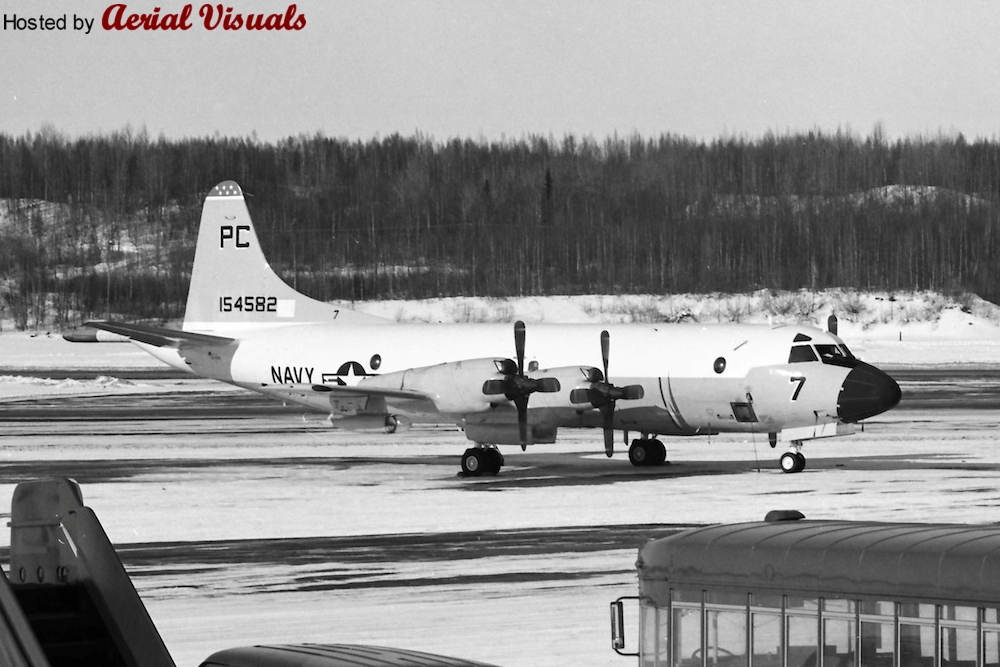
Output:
x=271 y=476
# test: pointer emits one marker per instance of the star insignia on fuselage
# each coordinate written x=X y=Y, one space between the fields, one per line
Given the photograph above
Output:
x=348 y=375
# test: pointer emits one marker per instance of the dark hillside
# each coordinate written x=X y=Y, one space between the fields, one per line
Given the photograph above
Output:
x=105 y=224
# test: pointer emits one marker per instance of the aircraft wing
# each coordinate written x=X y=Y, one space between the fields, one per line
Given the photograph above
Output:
x=357 y=390
x=159 y=336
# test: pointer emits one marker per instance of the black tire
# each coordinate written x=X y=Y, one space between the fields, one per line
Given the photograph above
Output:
x=391 y=423
x=789 y=462
x=638 y=453
x=801 y=462
x=659 y=453
x=473 y=462
x=493 y=462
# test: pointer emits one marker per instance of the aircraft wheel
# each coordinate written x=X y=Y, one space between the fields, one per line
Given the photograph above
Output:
x=789 y=462
x=473 y=462
x=639 y=453
x=801 y=461
x=659 y=453
x=391 y=423
x=493 y=462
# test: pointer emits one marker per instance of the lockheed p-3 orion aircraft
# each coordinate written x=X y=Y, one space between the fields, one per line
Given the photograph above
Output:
x=504 y=384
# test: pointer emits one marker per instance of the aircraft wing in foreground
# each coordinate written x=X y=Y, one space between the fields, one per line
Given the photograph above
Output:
x=504 y=384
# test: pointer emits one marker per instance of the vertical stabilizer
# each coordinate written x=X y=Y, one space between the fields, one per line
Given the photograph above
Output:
x=233 y=286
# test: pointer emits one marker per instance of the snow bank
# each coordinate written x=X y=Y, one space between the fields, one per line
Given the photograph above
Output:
x=922 y=329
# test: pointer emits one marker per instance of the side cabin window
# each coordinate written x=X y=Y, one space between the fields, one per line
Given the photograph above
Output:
x=802 y=353
x=742 y=629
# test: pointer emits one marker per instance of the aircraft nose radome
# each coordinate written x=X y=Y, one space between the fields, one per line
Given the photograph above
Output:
x=866 y=392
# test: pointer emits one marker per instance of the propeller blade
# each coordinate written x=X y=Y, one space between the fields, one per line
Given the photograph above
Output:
x=522 y=419
x=578 y=396
x=605 y=351
x=608 y=414
x=632 y=392
x=519 y=345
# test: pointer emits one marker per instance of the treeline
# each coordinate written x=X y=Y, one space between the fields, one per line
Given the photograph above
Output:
x=105 y=225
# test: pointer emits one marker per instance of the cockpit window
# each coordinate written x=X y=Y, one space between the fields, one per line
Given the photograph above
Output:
x=827 y=351
x=801 y=353
x=836 y=355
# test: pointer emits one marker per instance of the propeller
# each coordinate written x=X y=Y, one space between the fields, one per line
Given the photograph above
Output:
x=516 y=386
x=603 y=395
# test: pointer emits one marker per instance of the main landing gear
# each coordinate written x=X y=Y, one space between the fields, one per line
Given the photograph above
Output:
x=481 y=460
x=647 y=452
x=793 y=461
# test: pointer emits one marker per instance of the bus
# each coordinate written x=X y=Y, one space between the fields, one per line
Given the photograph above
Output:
x=789 y=592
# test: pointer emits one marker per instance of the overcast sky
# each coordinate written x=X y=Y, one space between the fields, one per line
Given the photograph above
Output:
x=477 y=69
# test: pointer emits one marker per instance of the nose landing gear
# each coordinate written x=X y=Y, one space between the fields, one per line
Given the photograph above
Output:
x=793 y=461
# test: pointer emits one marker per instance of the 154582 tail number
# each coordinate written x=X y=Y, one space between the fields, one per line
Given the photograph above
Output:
x=248 y=304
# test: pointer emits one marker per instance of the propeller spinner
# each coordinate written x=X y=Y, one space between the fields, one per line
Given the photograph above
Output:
x=603 y=395
x=516 y=386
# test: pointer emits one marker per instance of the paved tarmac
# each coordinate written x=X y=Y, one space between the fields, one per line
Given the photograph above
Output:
x=243 y=520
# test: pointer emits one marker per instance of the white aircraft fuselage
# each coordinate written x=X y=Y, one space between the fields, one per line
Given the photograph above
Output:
x=245 y=326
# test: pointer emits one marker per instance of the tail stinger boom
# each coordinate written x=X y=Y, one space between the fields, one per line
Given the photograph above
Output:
x=232 y=284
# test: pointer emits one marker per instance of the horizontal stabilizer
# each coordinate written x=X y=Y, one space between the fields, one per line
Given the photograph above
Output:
x=159 y=336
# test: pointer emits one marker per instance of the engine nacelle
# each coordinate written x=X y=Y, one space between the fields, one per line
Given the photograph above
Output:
x=455 y=387
x=570 y=378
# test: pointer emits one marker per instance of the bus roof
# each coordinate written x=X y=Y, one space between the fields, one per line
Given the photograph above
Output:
x=945 y=563
x=330 y=655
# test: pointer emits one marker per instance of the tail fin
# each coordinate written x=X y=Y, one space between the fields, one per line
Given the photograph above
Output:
x=233 y=286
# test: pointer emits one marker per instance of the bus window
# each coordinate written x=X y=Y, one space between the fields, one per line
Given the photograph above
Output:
x=839 y=640
x=877 y=643
x=727 y=631
x=654 y=633
x=958 y=636
x=766 y=639
x=916 y=645
x=726 y=597
x=911 y=610
x=803 y=644
x=991 y=648
x=686 y=636
x=839 y=605
x=766 y=600
x=958 y=647
x=952 y=612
